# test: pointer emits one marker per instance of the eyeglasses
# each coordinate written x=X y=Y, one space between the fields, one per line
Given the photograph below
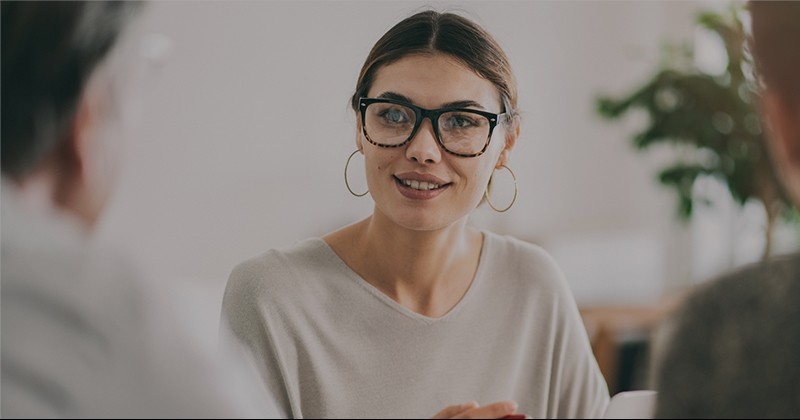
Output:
x=462 y=132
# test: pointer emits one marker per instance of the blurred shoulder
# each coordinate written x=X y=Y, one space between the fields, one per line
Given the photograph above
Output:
x=770 y=286
x=735 y=339
x=729 y=316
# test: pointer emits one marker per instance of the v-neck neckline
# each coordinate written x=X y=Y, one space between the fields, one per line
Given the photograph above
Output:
x=396 y=306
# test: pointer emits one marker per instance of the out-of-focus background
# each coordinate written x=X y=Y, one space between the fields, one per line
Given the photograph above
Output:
x=246 y=127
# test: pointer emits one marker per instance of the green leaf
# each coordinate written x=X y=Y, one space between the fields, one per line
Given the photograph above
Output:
x=710 y=114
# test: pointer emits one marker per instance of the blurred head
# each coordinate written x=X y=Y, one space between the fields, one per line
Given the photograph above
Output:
x=424 y=176
x=776 y=49
x=58 y=99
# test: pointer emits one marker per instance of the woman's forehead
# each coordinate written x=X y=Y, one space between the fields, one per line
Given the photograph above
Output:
x=431 y=80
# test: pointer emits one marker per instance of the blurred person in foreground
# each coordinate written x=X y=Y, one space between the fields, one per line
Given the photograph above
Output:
x=84 y=333
x=735 y=352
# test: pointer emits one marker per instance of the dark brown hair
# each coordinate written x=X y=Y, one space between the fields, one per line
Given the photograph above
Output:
x=431 y=32
x=49 y=51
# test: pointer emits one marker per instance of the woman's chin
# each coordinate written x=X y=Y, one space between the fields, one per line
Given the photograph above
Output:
x=425 y=222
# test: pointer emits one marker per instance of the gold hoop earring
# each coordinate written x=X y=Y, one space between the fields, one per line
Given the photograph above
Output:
x=346 y=182
x=513 y=200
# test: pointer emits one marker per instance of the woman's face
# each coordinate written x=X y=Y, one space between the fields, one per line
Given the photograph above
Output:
x=432 y=82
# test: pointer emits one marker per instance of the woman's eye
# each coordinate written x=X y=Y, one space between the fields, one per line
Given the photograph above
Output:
x=394 y=116
x=459 y=121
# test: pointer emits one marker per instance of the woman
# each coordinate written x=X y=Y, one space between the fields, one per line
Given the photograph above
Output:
x=412 y=310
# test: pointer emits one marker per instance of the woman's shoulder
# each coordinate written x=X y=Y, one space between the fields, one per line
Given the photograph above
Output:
x=526 y=273
x=527 y=263
x=515 y=252
x=278 y=266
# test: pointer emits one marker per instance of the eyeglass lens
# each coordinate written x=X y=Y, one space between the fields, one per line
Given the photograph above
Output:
x=460 y=132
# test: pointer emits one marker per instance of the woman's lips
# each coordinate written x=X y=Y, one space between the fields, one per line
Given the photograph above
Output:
x=420 y=177
x=420 y=190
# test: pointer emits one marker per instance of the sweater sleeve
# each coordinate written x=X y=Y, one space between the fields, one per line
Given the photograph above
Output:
x=578 y=388
x=582 y=388
x=245 y=326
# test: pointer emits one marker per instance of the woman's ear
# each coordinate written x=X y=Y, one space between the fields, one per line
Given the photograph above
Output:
x=359 y=136
x=512 y=133
x=503 y=160
x=783 y=139
x=785 y=128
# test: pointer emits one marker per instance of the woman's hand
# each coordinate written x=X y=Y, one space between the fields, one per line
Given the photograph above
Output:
x=472 y=410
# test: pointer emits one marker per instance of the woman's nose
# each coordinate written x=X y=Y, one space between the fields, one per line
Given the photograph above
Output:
x=424 y=148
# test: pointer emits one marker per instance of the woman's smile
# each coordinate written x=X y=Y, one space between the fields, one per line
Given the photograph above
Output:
x=416 y=186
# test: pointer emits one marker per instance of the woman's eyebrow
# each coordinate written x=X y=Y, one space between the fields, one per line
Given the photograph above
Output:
x=395 y=97
x=455 y=104
x=463 y=104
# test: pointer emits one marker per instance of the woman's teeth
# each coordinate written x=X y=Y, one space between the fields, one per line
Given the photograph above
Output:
x=422 y=186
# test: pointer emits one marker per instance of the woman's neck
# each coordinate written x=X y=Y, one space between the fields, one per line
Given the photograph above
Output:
x=426 y=271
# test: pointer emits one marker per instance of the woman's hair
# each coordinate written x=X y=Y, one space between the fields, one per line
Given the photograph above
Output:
x=431 y=32
x=776 y=45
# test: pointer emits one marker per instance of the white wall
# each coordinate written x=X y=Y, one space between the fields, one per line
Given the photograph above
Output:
x=247 y=128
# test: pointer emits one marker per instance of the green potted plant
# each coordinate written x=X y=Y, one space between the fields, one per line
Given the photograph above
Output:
x=713 y=116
